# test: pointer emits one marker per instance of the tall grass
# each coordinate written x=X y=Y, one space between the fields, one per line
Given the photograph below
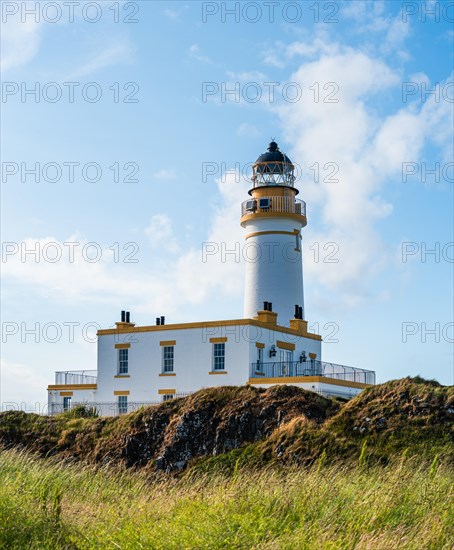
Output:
x=50 y=505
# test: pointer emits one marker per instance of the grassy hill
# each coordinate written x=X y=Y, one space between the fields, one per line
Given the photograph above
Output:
x=236 y=468
x=280 y=424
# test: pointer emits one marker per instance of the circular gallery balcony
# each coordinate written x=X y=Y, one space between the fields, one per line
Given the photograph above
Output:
x=274 y=205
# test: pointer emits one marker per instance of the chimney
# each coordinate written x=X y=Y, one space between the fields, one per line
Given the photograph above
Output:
x=163 y=320
x=158 y=321
x=125 y=324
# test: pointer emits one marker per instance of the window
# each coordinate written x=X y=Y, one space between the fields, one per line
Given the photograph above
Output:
x=218 y=356
x=167 y=358
x=122 y=404
x=298 y=242
x=259 y=366
x=123 y=361
x=66 y=403
x=286 y=359
x=167 y=397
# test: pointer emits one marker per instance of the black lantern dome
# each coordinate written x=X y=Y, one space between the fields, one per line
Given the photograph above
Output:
x=273 y=155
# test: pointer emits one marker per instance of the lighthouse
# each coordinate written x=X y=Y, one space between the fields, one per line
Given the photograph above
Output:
x=273 y=218
x=156 y=362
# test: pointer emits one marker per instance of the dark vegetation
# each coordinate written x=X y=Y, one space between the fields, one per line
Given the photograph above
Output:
x=231 y=426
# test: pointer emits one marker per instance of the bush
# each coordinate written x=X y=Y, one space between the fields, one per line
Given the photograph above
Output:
x=80 y=411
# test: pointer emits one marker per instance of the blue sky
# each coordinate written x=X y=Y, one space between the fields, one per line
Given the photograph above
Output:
x=371 y=64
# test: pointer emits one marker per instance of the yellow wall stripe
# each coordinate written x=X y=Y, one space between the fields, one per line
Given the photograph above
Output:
x=203 y=325
x=301 y=379
x=72 y=387
x=292 y=233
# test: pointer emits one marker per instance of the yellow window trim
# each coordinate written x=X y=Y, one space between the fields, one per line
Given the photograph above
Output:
x=167 y=392
x=259 y=345
x=285 y=345
x=218 y=340
x=167 y=374
x=218 y=372
x=168 y=343
x=66 y=394
x=122 y=346
x=122 y=376
x=121 y=392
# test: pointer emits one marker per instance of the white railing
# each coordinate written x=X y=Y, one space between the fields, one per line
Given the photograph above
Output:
x=112 y=408
x=76 y=377
x=274 y=204
x=311 y=367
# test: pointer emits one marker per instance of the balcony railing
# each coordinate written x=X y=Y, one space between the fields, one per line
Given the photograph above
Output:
x=109 y=408
x=274 y=204
x=312 y=368
x=76 y=377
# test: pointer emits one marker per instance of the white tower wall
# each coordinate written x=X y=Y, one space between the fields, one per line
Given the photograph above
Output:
x=274 y=268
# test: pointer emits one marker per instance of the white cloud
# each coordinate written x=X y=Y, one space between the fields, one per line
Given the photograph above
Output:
x=120 y=51
x=195 y=53
x=175 y=14
x=19 y=42
x=160 y=233
x=372 y=21
x=165 y=174
x=369 y=152
x=189 y=277
x=14 y=375
x=248 y=130
x=248 y=76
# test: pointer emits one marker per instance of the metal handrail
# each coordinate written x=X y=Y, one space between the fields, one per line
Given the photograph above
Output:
x=108 y=408
x=286 y=369
x=76 y=377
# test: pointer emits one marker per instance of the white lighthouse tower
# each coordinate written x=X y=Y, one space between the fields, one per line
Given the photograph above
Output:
x=273 y=218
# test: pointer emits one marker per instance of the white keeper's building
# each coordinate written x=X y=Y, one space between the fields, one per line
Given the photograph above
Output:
x=139 y=365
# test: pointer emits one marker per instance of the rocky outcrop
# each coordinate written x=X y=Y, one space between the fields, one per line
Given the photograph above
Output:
x=282 y=423
x=211 y=422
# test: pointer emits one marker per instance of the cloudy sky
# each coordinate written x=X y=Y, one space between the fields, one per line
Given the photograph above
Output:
x=127 y=132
